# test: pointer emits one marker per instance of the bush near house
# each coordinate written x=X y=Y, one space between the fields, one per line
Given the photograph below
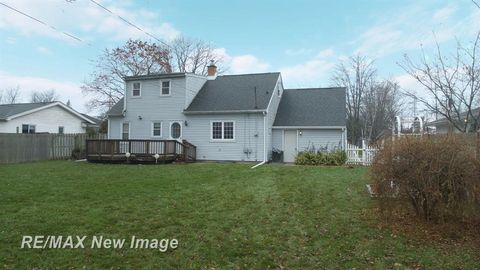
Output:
x=333 y=158
x=437 y=178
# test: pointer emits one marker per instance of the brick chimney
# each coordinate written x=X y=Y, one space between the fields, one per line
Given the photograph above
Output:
x=212 y=71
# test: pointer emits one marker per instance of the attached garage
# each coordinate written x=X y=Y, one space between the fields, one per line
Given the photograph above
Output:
x=310 y=119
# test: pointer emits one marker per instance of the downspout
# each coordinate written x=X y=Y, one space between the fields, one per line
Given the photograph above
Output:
x=264 y=142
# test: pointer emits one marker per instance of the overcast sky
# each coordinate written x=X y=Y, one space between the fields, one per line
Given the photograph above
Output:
x=302 y=39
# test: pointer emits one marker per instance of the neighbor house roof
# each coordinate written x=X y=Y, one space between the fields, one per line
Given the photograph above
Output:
x=312 y=107
x=11 y=111
x=97 y=121
x=443 y=121
x=235 y=93
x=7 y=110
x=117 y=109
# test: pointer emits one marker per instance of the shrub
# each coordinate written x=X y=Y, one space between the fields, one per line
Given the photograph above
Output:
x=335 y=158
x=438 y=178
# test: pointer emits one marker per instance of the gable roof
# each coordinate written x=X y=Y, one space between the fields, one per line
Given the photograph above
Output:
x=312 y=107
x=7 y=110
x=235 y=93
x=11 y=111
x=117 y=109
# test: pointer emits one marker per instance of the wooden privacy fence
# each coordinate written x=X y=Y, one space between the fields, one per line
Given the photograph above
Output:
x=360 y=155
x=29 y=147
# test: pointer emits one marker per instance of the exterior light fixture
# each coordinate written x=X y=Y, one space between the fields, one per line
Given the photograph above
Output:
x=127 y=154
x=139 y=117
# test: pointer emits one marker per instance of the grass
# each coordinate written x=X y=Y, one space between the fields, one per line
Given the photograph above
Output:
x=225 y=216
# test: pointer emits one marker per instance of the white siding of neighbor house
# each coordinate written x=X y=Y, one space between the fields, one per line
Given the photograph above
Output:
x=271 y=114
x=46 y=120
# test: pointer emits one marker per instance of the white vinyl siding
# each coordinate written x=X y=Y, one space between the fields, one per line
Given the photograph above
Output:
x=320 y=139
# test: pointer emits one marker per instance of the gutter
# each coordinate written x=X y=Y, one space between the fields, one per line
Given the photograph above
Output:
x=264 y=142
x=224 y=112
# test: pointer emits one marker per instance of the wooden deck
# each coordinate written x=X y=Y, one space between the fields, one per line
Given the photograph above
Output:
x=140 y=151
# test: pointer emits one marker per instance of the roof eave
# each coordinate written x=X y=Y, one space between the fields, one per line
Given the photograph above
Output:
x=308 y=127
x=224 y=112
x=154 y=76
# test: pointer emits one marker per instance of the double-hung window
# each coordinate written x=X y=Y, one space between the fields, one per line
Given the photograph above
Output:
x=157 y=129
x=61 y=130
x=223 y=130
x=165 y=91
x=125 y=131
x=136 y=89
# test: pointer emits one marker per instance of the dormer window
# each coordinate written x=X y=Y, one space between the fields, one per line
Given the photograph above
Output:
x=165 y=91
x=136 y=89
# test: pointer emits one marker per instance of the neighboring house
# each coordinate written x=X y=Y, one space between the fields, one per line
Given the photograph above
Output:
x=443 y=126
x=50 y=117
x=230 y=117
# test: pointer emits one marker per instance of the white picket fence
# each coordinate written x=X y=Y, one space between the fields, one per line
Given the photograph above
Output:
x=360 y=155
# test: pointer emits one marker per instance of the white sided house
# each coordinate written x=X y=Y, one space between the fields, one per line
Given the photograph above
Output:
x=230 y=117
x=50 y=117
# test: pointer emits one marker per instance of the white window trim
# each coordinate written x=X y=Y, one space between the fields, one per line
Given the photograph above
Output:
x=161 y=129
x=223 y=130
x=134 y=82
x=121 y=131
x=169 y=88
x=170 y=129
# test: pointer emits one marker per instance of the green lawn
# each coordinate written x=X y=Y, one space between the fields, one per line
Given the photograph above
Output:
x=225 y=216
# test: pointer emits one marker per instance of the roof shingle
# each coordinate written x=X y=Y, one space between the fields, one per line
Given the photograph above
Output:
x=7 y=110
x=235 y=93
x=312 y=107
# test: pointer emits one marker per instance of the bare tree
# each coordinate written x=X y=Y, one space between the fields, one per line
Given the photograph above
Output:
x=381 y=103
x=44 y=96
x=193 y=56
x=476 y=3
x=135 y=57
x=452 y=84
x=10 y=95
x=357 y=75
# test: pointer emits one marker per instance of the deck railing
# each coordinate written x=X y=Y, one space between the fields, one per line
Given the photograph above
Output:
x=140 y=150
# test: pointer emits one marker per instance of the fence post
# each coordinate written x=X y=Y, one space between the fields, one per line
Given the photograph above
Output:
x=364 y=153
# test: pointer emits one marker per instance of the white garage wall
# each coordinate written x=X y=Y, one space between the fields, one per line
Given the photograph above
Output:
x=46 y=120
